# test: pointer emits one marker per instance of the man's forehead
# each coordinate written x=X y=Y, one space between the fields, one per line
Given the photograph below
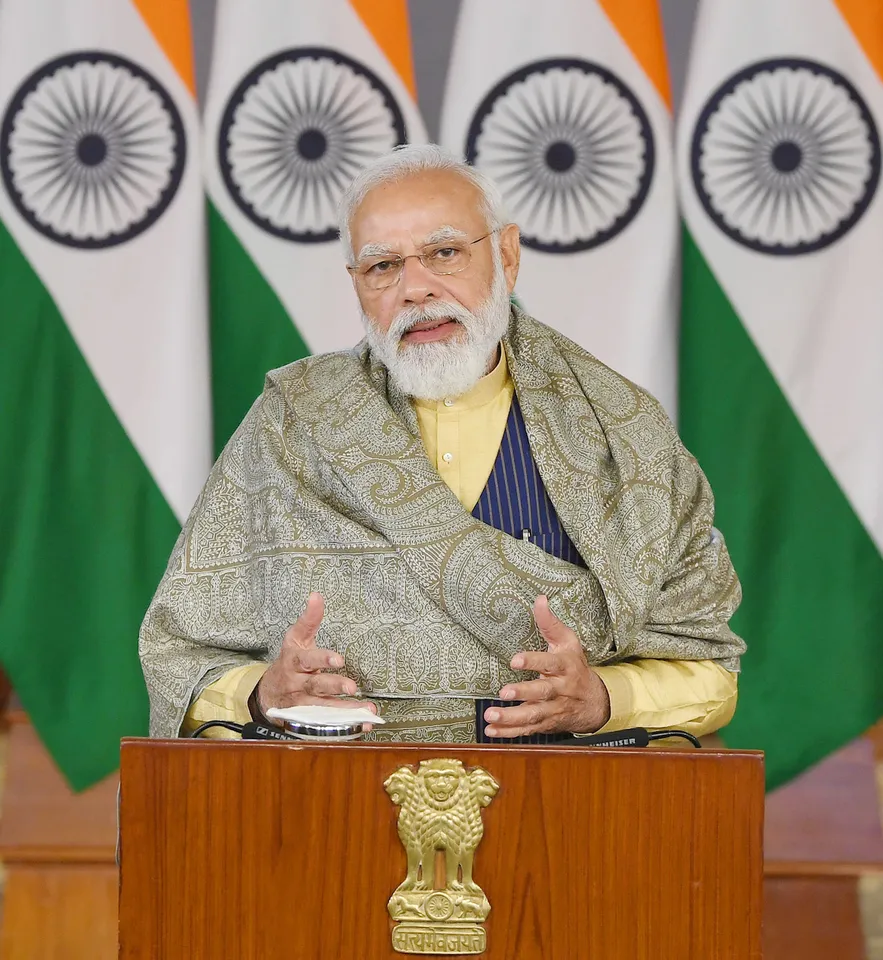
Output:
x=417 y=208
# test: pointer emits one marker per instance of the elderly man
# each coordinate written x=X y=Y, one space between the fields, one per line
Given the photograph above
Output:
x=467 y=518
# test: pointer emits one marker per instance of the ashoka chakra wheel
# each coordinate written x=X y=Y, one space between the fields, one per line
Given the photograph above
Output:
x=92 y=149
x=785 y=156
x=438 y=906
x=296 y=130
x=570 y=147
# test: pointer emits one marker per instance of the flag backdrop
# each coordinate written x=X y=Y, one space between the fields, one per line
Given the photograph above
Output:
x=105 y=429
x=782 y=352
x=569 y=112
x=105 y=434
x=301 y=97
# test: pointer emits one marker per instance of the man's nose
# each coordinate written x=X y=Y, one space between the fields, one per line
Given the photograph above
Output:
x=417 y=284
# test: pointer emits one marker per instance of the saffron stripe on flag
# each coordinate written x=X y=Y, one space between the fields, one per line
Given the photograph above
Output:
x=865 y=20
x=389 y=24
x=169 y=22
x=639 y=23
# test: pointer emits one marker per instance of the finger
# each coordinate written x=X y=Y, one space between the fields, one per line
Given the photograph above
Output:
x=303 y=632
x=329 y=685
x=533 y=691
x=542 y=661
x=556 y=634
x=513 y=732
x=313 y=659
x=533 y=717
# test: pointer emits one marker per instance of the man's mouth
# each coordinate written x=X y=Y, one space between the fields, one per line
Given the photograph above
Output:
x=427 y=330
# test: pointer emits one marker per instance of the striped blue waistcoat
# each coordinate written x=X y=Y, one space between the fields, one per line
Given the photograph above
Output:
x=515 y=501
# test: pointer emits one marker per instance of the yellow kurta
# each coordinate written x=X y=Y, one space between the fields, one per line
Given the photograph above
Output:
x=462 y=436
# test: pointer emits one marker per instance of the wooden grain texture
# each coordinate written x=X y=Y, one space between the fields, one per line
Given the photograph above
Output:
x=808 y=918
x=43 y=819
x=256 y=850
x=828 y=819
x=59 y=913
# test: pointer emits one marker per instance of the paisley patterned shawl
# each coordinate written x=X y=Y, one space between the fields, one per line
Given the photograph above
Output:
x=326 y=486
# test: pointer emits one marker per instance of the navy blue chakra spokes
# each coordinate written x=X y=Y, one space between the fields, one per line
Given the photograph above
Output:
x=785 y=156
x=571 y=148
x=296 y=130
x=92 y=149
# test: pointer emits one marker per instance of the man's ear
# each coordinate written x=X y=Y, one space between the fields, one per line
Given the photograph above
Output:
x=510 y=251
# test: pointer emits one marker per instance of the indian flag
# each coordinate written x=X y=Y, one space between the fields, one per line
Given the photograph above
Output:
x=301 y=98
x=569 y=112
x=105 y=434
x=782 y=352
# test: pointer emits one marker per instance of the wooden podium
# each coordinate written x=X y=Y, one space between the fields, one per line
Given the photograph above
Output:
x=263 y=850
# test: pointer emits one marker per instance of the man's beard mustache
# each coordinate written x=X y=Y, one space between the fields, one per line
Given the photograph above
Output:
x=443 y=368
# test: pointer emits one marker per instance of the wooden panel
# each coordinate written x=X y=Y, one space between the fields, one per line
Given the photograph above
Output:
x=822 y=832
x=828 y=819
x=812 y=919
x=43 y=819
x=5 y=692
x=235 y=849
x=59 y=913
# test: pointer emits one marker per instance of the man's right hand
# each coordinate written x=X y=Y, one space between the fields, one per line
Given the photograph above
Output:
x=295 y=677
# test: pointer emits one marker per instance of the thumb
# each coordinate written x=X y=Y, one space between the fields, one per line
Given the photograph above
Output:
x=557 y=635
x=303 y=632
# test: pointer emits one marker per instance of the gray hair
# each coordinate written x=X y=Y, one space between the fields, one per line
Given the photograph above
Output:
x=406 y=161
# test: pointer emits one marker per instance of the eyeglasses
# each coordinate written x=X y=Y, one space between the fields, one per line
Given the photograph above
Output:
x=442 y=259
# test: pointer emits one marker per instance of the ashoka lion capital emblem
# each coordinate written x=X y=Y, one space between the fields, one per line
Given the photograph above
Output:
x=440 y=819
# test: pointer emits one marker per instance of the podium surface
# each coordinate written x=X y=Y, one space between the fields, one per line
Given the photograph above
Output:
x=244 y=849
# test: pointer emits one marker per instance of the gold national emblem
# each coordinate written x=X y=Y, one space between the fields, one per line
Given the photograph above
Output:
x=439 y=908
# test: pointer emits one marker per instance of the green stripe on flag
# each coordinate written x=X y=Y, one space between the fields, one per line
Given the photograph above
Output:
x=86 y=535
x=812 y=577
x=251 y=330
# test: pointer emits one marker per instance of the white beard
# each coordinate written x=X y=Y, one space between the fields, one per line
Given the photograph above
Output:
x=446 y=368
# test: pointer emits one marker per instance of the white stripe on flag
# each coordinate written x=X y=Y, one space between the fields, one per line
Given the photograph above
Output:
x=815 y=317
x=618 y=298
x=136 y=310
x=309 y=278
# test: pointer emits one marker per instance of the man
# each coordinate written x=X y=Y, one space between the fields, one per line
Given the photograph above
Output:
x=467 y=519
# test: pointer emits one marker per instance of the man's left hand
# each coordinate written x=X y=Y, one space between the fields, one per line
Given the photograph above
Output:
x=568 y=696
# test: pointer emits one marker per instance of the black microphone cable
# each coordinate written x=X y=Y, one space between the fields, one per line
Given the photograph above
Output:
x=662 y=734
x=248 y=731
x=226 y=724
x=632 y=737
